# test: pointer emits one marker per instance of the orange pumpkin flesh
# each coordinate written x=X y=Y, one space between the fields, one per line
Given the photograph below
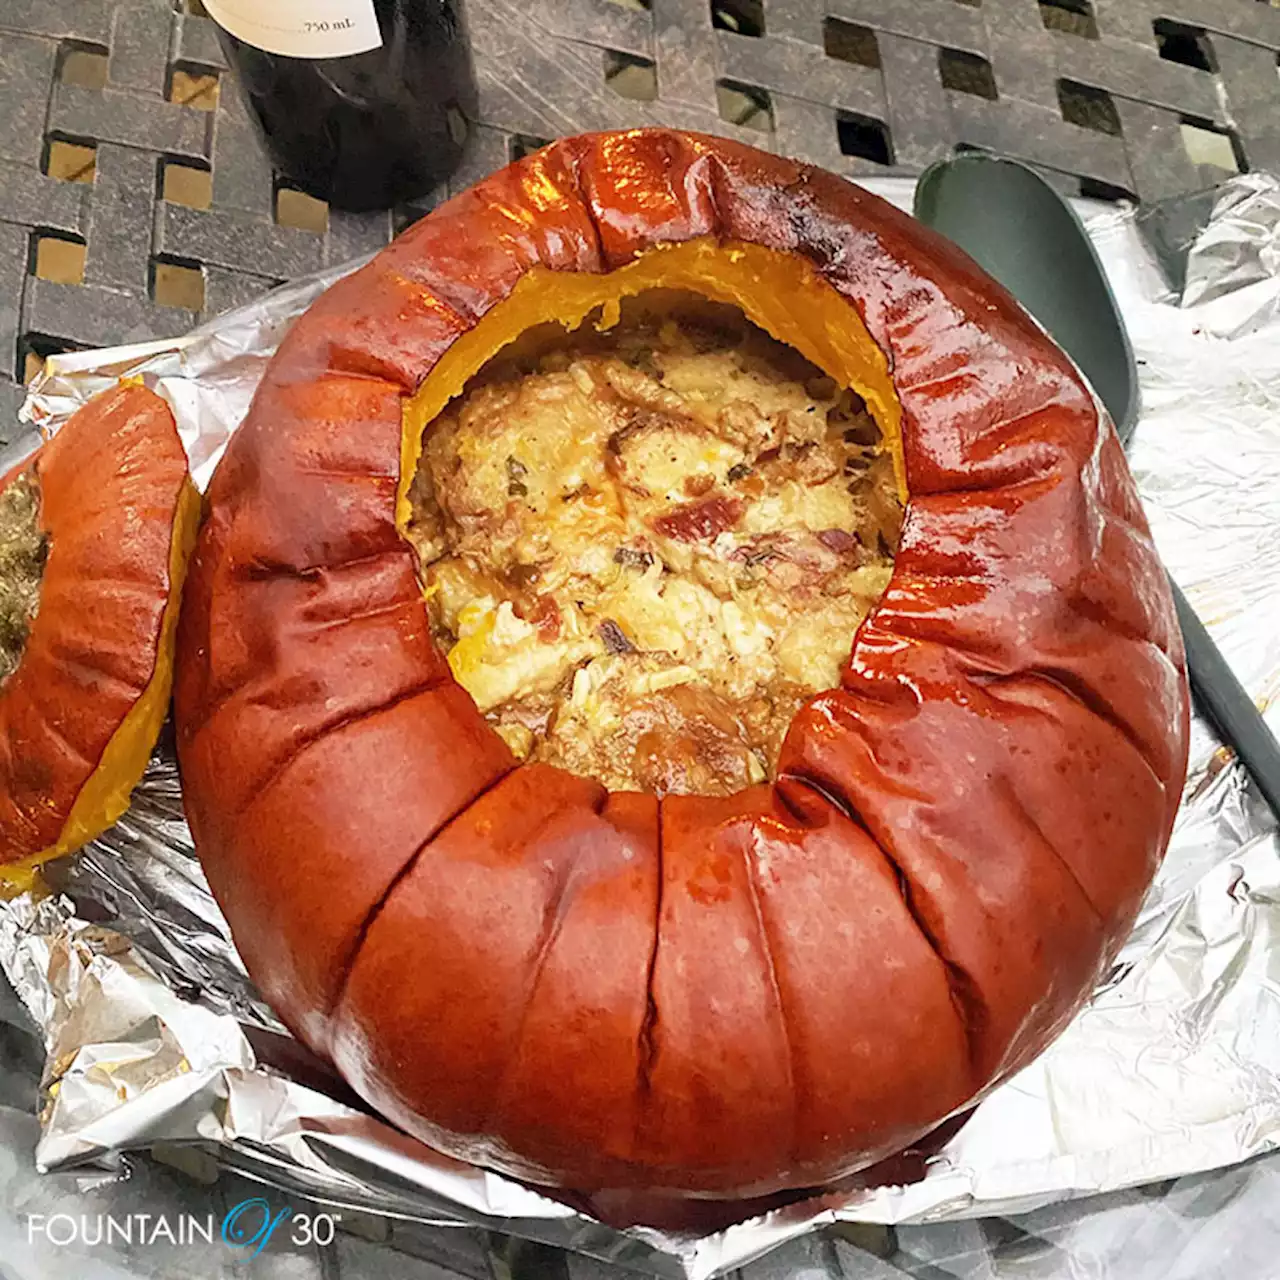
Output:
x=694 y=996
x=779 y=292
x=81 y=712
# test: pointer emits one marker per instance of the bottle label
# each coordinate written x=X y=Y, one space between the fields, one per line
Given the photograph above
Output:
x=300 y=28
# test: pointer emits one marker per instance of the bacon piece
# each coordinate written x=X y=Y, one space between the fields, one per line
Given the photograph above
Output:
x=698 y=521
x=840 y=541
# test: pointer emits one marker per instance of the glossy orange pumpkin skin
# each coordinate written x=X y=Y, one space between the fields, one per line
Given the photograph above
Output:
x=692 y=997
x=81 y=713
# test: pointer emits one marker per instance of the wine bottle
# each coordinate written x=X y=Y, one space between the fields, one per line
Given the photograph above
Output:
x=362 y=103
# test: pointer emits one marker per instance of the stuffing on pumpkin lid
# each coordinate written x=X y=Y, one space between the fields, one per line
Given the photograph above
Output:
x=24 y=548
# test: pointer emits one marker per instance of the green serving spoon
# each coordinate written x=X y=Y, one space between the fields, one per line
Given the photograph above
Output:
x=1015 y=226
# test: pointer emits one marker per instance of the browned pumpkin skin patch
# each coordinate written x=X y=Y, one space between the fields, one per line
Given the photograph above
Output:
x=111 y=486
x=722 y=996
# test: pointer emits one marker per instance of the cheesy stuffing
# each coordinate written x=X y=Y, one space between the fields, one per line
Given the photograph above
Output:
x=644 y=549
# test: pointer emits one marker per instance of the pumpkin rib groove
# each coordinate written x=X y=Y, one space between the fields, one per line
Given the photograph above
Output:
x=841 y=804
x=455 y=307
x=111 y=588
x=977 y=666
x=683 y=215
x=1004 y=786
x=300 y=747
x=78 y=663
x=217 y=698
x=394 y=386
x=100 y=515
x=646 y=1037
x=31 y=829
x=367 y=616
x=584 y=202
x=783 y=793
x=966 y=993
x=1029 y=478
x=847 y=705
x=1096 y=612
x=775 y=987
x=49 y=720
x=347 y=477
x=75 y=648
x=1071 y=686
x=268 y=571
x=345 y=361
x=1043 y=456
x=966 y=996
x=554 y=916
x=371 y=917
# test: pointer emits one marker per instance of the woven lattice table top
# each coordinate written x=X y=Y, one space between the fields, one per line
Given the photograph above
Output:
x=135 y=200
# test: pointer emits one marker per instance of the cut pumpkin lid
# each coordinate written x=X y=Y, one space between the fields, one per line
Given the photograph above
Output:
x=88 y=686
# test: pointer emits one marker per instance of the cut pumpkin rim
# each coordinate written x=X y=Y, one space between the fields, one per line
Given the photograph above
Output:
x=830 y=333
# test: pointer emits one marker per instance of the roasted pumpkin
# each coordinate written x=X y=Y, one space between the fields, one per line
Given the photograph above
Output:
x=676 y=994
x=95 y=531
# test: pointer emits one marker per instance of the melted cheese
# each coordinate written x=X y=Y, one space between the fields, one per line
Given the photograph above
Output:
x=644 y=552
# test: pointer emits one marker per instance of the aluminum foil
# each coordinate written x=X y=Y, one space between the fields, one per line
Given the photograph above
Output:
x=153 y=1031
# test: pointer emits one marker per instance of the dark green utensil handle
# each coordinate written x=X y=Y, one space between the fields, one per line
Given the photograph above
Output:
x=1222 y=698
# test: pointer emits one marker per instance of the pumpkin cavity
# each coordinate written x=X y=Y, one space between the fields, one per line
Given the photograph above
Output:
x=644 y=548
